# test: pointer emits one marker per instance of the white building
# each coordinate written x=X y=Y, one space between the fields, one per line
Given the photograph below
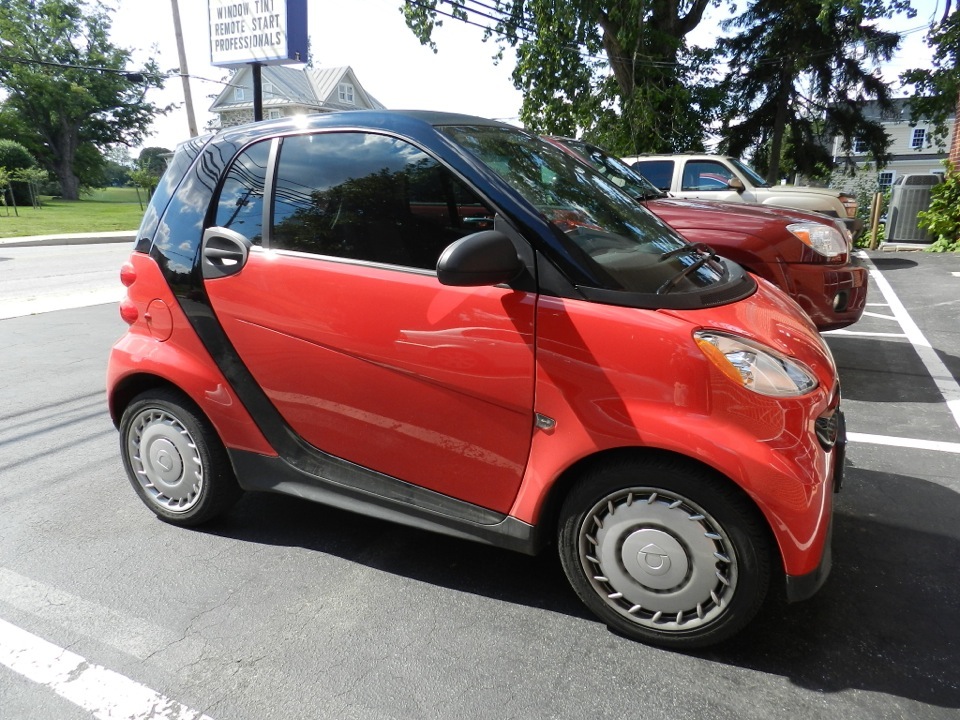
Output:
x=911 y=146
x=291 y=91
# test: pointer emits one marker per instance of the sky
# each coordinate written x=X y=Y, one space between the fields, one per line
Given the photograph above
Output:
x=368 y=35
x=390 y=63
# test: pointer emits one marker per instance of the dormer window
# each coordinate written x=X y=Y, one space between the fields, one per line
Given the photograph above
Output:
x=268 y=89
x=919 y=137
x=346 y=93
x=238 y=94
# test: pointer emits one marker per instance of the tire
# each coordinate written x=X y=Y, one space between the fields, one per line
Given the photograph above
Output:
x=665 y=551
x=175 y=459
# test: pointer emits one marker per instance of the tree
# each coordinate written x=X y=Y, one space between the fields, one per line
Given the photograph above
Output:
x=937 y=89
x=799 y=75
x=15 y=157
x=620 y=73
x=154 y=159
x=69 y=87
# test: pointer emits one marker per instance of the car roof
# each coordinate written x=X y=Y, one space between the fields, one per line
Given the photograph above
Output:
x=398 y=120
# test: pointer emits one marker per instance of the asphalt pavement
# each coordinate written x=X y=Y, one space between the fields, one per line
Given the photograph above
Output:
x=286 y=609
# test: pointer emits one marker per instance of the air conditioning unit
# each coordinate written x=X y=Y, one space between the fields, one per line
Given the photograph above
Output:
x=909 y=195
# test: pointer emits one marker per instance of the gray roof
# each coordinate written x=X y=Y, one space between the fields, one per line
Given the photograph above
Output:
x=311 y=88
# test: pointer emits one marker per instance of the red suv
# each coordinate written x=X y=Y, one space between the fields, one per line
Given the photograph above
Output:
x=805 y=254
x=445 y=322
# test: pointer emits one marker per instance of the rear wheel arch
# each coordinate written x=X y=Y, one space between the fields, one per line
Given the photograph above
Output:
x=127 y=389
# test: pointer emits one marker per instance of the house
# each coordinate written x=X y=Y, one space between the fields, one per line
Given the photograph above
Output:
x=291 y=91
x=913 y=148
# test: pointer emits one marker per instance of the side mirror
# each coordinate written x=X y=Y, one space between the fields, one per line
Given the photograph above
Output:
x=483 y=258
x=736 y=183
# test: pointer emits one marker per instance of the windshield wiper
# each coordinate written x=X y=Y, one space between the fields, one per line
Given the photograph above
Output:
x=707 y=255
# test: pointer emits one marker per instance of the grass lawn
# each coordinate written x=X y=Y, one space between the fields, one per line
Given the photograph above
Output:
x=105 y=209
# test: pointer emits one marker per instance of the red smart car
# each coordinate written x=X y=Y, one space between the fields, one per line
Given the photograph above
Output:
x=805 y=254
x=445 y=322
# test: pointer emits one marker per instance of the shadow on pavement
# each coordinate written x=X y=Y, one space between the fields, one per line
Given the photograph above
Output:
x=878 y=370
x=893 y=263
x=885 y=621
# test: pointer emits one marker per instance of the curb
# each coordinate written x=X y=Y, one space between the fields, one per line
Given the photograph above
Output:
x=117 y=236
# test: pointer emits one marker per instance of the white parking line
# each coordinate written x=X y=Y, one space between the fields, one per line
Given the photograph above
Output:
x=858 y=333
x=21 y=307
x=904 y=442
x=105 y=694
x=948 y=387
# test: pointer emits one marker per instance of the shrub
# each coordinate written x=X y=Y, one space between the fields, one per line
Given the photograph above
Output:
x=13 y=157
x=942 y=218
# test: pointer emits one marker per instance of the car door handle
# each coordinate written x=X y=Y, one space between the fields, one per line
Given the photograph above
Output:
x=224 y=252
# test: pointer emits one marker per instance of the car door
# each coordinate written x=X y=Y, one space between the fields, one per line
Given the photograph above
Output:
x=707 y=180
x=338 y=314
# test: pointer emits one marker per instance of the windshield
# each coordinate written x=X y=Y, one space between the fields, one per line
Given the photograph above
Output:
x=618 y=172
x=628 y=248
x=752 y=174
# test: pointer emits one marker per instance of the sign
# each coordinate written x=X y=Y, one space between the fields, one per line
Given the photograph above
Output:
x=272 y=32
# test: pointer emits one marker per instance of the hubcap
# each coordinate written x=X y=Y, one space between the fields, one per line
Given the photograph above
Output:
x=659 y=559
x=165 y=459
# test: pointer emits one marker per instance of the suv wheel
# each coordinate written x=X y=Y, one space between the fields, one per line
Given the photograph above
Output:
x=665 y=552
x=175 y=460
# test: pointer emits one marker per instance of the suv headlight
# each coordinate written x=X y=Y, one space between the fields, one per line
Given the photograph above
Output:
x=823 y=239
x=754 y=366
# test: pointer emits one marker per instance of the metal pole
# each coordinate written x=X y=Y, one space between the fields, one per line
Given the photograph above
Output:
x=184 y=72
x=257 y=91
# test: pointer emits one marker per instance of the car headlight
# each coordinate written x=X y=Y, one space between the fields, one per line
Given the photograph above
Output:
x=754 y=366
x=823 y=239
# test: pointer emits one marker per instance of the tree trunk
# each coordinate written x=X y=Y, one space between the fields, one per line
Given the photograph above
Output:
x=779 y=125
x=69 y=185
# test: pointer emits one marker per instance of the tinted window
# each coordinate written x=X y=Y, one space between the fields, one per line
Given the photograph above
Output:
x=369 y=197
x=240 y=206
x=183 y=158
x=705 y=175
x=626 y=247
x=659 y=172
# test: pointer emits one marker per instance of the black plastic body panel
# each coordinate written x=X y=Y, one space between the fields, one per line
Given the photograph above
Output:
x=391 y=500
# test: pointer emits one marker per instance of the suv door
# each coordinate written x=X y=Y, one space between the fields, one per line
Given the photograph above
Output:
x=707 y=180
x=338 y=314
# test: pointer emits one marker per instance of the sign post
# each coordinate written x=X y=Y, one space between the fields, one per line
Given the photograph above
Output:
x=257 y=33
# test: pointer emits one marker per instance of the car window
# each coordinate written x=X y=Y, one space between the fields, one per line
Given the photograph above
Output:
x=370 y=197
x=240 y=205
x=659 y=172
x=626 y=247
x=705 y=175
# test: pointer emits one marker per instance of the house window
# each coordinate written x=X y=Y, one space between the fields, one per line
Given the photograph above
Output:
x=885 y=179
x=860 y=146
x=346 y=93
x=238 y=94
x=267 y=89
x=919 y=136
x=274 y=114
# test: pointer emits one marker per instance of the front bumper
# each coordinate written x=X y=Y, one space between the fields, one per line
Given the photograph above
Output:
x=801 y=587
x=833 y=296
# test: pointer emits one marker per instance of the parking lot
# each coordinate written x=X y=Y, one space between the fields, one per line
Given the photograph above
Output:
x=290 y=610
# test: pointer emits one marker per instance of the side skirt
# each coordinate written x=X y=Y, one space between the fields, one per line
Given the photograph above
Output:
x=392 y=499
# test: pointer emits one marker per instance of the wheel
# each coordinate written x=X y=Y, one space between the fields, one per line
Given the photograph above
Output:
x=665 y=551
x=175 y=460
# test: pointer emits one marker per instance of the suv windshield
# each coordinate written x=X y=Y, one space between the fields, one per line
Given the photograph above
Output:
x=628 y=248
x=752 y=174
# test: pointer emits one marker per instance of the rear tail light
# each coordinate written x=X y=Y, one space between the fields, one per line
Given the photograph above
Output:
x=128 y=274
x=128 y=311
